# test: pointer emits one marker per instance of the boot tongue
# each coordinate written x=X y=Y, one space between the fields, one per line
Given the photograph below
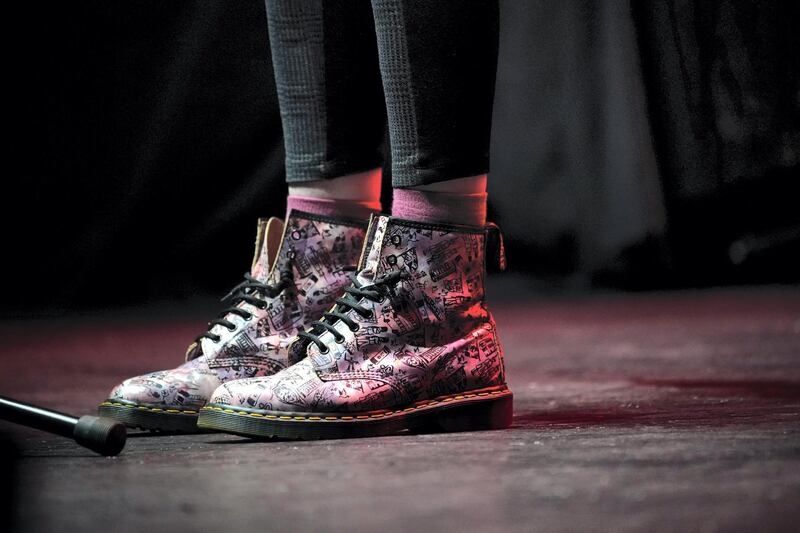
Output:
x=371 y=261
x=268 y=242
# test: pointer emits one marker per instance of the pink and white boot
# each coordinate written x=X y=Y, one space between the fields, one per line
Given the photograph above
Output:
x=298 y=272
x=410 y=346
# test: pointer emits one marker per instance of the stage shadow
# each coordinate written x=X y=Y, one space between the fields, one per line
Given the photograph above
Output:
x=245 y=440
x=682 y=403
x=145 y=433
x=736 y=387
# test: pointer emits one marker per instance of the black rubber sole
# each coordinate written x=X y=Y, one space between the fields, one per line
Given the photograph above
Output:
x=153 y=418
x=469 y=411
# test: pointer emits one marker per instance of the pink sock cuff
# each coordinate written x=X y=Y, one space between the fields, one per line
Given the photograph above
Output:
x=451 y=208
x=329 y=207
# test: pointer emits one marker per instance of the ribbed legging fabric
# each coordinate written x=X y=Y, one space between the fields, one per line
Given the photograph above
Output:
x=342 y=67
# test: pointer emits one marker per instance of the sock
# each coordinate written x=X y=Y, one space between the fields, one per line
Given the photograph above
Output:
x=350 y=209
x=354 y=196
x=460 y=201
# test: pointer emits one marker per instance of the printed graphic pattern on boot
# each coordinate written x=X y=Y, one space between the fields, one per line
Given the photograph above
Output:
x=412 y=327
x=251 y=338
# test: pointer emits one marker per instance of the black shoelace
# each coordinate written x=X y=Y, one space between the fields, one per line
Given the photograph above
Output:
x=376 y=292
x=246 y=291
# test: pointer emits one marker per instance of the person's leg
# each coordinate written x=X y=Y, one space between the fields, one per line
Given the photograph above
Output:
x=332 y=110
x=438 y=63
x=411 y=345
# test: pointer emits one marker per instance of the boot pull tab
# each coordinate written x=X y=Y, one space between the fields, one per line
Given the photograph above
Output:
x=495 y=248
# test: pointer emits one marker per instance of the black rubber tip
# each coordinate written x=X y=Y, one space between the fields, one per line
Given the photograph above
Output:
x=102 y=435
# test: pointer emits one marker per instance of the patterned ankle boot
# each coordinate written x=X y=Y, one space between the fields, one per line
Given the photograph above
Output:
x=410 y=346
x=298 y=272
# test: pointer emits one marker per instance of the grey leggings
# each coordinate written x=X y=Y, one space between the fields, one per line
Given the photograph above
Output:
x=431 y=70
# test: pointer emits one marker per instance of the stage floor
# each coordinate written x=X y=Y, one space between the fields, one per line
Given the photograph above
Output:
x=656 y=412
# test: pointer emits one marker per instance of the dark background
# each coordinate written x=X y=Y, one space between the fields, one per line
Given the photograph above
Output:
x=635 y=146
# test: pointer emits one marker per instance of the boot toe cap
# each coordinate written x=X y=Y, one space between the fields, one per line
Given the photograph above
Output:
x=147 y=388
x=160 y=389
x=254 y=393
x=238 y=393
x=287 y=391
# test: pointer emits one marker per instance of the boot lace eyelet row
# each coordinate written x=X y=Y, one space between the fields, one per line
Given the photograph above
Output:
x=354 y=295
x=248 y=291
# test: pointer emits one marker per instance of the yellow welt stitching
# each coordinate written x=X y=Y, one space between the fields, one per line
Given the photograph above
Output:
x=421 y=405
x=150 y=409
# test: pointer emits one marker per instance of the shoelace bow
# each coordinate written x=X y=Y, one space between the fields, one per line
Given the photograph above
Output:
x=246 y=291
x=375 y=291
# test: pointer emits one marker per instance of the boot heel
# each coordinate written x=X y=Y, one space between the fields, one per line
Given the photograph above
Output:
x=493 y=414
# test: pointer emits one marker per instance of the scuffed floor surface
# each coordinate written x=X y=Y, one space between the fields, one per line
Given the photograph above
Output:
x=650 y=412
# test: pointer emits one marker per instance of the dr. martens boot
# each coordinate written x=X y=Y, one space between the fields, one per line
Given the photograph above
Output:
x=410 y=346
x=298 y=272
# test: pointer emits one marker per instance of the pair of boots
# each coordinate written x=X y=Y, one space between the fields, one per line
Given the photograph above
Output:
x=340 y=331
